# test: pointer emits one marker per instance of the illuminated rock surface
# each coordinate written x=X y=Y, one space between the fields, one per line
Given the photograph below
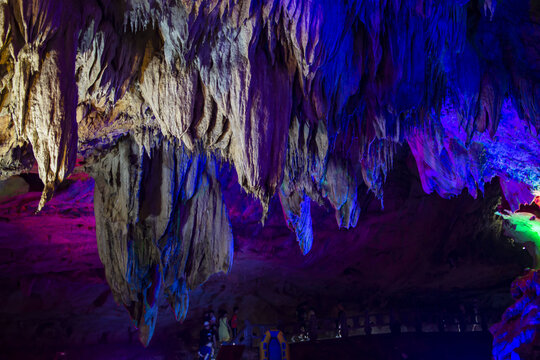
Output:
x=518 y=334
x=56 y=296
x=309 y=100
x=524 y=228
x=160 y=222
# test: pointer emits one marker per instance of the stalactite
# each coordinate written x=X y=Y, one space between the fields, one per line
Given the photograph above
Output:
x=161 y=225
x=306 y=99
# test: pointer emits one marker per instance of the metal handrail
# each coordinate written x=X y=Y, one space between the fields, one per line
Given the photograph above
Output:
x=448 y=322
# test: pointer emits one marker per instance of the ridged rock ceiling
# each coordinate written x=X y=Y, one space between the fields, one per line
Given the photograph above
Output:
x=307 y=100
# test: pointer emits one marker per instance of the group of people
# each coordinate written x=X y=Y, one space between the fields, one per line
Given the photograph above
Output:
x=308 y=323
x=215 y=333
x=309 y=327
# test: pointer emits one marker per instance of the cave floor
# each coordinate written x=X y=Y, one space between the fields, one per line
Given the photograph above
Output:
x=411 y=346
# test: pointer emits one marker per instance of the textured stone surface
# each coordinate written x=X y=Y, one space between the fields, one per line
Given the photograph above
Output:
x=230 y=77
x=307 y=99
x=43 y=92
x=517 y=335
x=419 y=252
x=160 y=223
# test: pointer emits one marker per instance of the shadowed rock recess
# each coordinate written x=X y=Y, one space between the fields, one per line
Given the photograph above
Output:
x=307 y=100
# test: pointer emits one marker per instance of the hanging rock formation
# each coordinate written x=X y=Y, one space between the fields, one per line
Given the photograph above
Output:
x=305 y=99
x=161 y=224
x=39 y=85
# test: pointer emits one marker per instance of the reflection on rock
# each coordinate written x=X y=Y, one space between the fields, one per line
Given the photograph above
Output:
x=161 y=225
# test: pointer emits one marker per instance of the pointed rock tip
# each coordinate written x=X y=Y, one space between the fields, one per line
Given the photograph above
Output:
x=46 y=195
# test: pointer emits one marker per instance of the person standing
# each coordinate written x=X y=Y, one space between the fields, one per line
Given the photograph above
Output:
x=343 y=328
x=395 y=324
x=213 y=327
x=205 y=342
x=224 y=329
x=301 y=315
x=234 y=322
x=212 y=318
x=312 y=325
x=367 y=324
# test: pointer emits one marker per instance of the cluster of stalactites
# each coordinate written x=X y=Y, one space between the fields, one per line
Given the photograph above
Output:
x=39 y=92
x=162 y=227
x=307 y=99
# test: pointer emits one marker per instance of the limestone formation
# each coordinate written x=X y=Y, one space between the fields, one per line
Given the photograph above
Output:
x=161 y=224
x=305 y=99
x=517 y=335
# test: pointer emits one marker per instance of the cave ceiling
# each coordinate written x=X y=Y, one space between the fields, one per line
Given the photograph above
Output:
x=307 y=101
